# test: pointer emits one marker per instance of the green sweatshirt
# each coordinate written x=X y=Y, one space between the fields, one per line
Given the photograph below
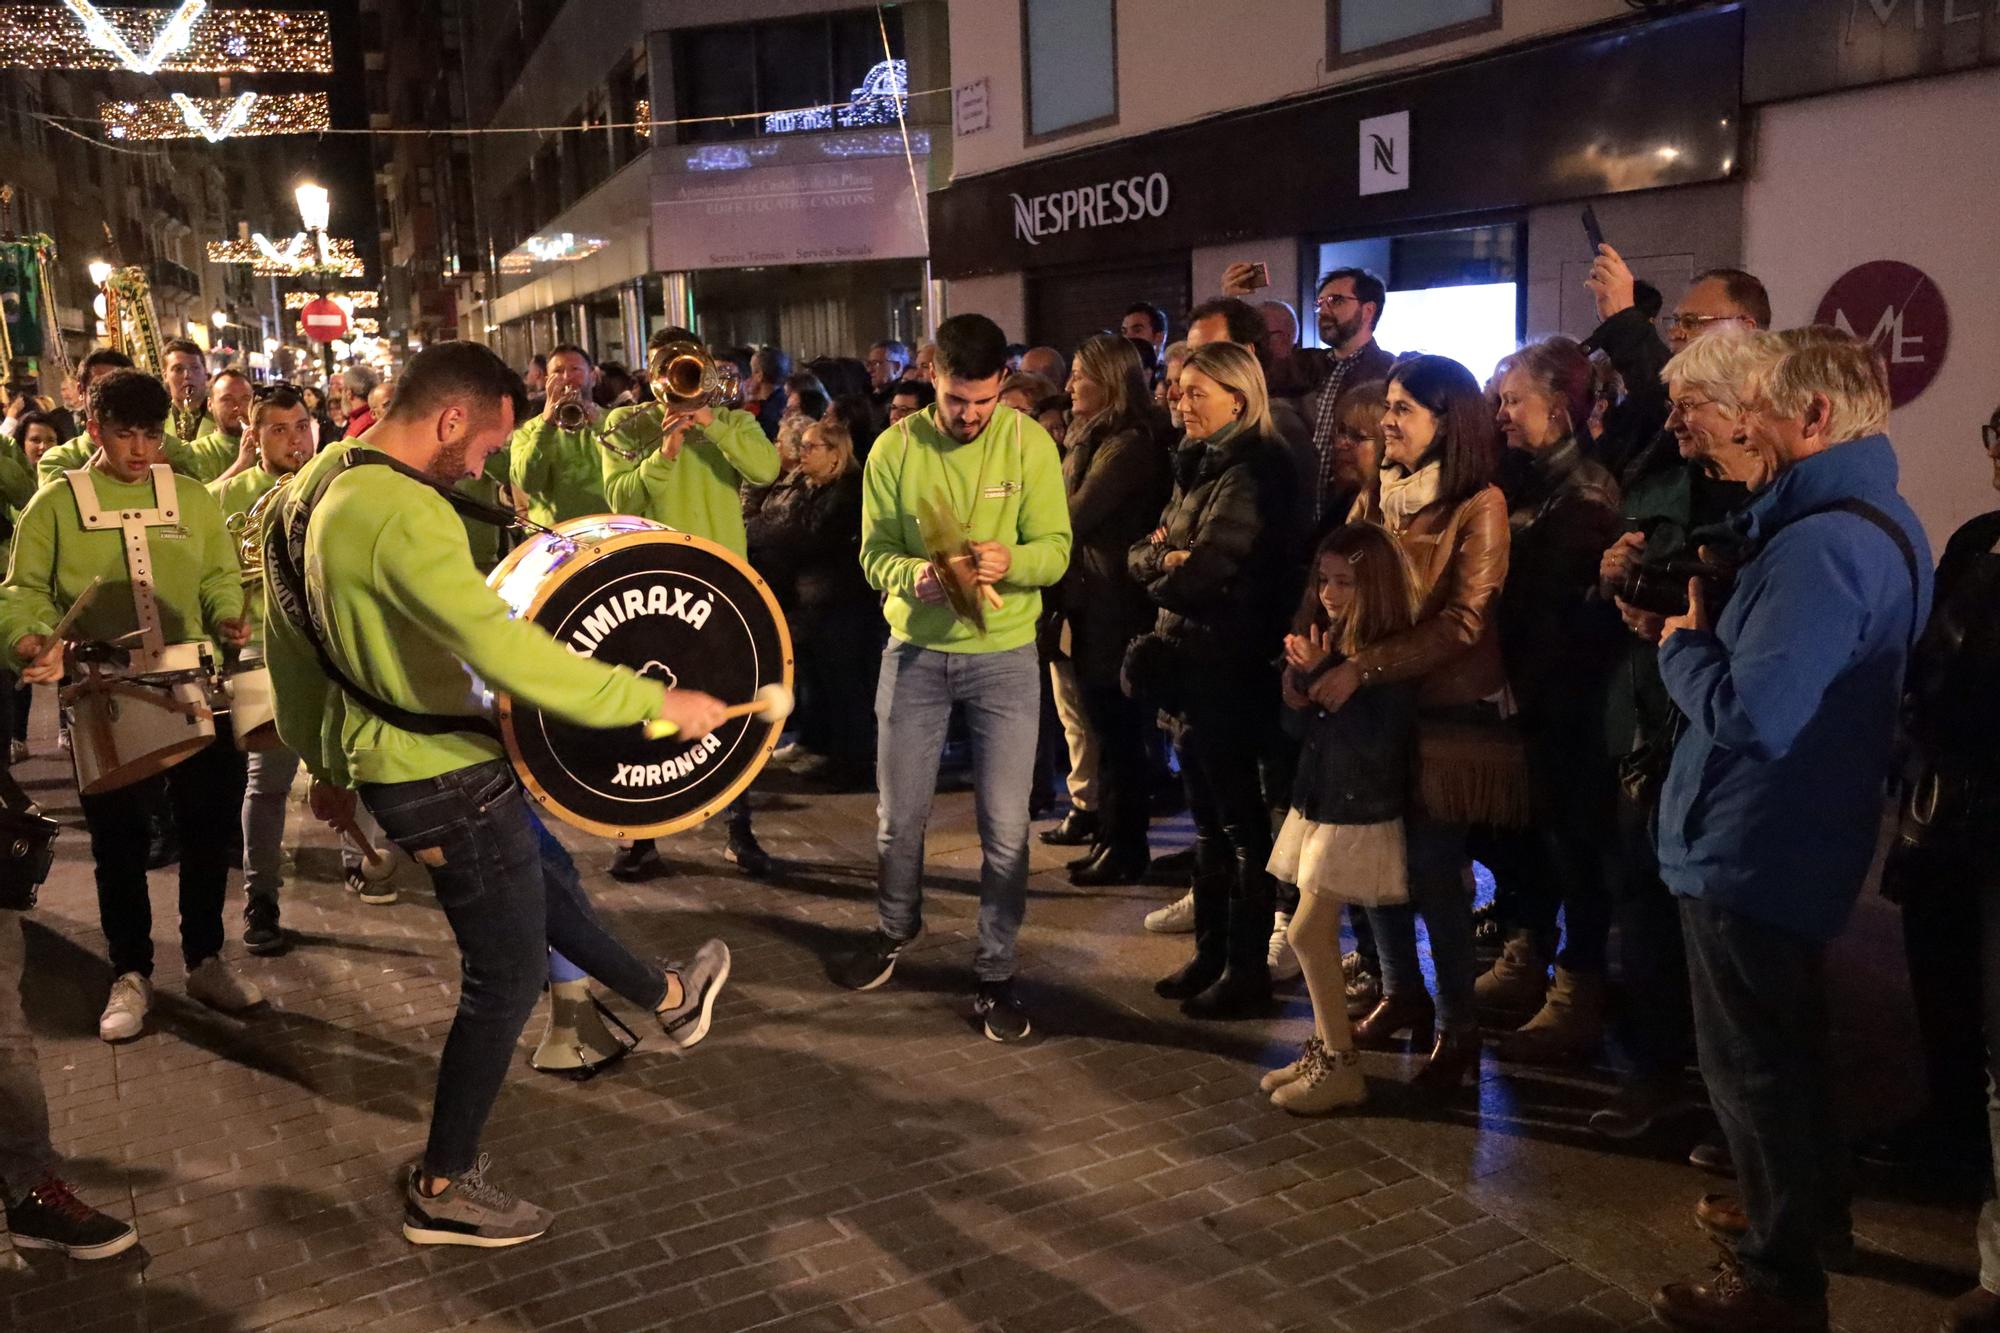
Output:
x=1006 y=486
x=236 y=496
x=410 y=620
x=481 y=538
x=76 y=453
x=197 y=581
x=696 y=491
x=560 y=472
x=17 y=487
x=211 y=455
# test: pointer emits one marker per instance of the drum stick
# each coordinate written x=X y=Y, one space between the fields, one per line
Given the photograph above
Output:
x=350 y=830
x=773 y=701
x=76 y=608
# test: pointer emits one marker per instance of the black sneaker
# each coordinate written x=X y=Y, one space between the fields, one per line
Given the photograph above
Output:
x=373 y=892
x=1002 y=1014
x=870 y=965
x=261 y=932
x=53 y=1218
x=640 y=861
x=746 y=855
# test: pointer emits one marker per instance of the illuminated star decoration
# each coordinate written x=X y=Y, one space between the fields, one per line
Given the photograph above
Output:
x=216 y=118
x=170 y=40
x=184 y=38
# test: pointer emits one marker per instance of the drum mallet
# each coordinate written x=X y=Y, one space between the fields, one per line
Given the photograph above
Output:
x=773 y=703
x=351 y=830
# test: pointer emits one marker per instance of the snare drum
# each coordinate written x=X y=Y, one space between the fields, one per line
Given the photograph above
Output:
x=253 y=706
x=124 y=729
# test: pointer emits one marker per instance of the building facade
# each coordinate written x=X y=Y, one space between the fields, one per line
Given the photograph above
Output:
x=1110 y=151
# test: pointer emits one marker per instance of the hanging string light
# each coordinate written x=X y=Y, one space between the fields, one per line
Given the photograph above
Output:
x=294 y=258
x=190 y=38
x=216 y=118
x=356 y=300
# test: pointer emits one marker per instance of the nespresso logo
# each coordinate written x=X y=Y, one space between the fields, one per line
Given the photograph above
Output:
x=1106 y=204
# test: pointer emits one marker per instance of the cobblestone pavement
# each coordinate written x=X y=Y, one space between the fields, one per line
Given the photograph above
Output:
x=832 y=1161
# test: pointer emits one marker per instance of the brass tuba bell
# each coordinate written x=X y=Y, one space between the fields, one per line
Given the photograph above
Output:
x=687 y=379
x=248 y=529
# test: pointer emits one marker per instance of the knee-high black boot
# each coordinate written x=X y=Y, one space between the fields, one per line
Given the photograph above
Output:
x=1244 y=990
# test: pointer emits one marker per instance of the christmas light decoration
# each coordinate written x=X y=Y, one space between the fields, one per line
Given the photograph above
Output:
x=355 y=300
x=217 y=118
x=883 y=90
x=190 y=38
x=642 y=112
x=295 y=257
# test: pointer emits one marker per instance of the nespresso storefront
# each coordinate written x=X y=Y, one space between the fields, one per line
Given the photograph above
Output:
x=1462 y=187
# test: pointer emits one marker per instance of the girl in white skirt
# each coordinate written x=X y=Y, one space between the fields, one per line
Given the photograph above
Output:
x=1342 y=841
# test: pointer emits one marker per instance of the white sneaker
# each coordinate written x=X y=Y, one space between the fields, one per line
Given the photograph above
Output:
x=1284 y=963
x=219 y=988
x=1176 y=918
x=124 y=1015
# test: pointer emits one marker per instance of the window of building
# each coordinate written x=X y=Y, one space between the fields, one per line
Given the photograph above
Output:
x=1069 y=57
x=1364 y=29
x=783 y=76
x=1454 y=293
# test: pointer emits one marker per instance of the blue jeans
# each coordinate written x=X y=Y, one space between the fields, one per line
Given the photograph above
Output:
x=1760 y=1026
x=1436 y=855
x=511 y=893
x=1001 y=695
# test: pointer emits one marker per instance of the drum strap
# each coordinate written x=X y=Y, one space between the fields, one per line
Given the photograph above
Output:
x=132 y=524
x=284 y=558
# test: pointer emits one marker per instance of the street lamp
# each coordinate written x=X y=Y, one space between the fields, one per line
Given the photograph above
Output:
x=220 y=318
x=315 y=209
x=100 y=272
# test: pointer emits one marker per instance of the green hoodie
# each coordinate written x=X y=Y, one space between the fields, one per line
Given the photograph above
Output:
x=197 y=581
x=211 y=455
x=410 y=620
x=17 y=487
x=697 y=490
x=560 y=472
x=1006 y=486
x=236 y=496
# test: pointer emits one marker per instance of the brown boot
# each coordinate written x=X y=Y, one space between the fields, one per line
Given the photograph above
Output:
x=1395 y=1013
x=1977 y=1311
x=1518 y=979
x=1569 y=1025
x=1727 y=1303
x=1723 y=1218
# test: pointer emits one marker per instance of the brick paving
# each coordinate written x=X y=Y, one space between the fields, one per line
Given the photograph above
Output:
x=832 y=1161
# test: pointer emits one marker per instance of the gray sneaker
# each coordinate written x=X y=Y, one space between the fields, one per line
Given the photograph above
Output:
x=470 y=1212
x=701 y=982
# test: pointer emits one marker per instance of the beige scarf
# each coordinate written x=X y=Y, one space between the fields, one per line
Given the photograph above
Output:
x=1404 y=497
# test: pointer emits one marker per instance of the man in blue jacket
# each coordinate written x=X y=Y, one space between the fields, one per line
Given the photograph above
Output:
x=1770 y=812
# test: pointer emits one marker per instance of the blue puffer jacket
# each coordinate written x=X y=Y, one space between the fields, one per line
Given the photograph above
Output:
x=1774 y=800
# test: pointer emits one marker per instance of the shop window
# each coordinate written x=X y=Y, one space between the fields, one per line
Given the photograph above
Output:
x=1451 y=293
x=784 y=76
x=1069 y=57
x=1359 y=30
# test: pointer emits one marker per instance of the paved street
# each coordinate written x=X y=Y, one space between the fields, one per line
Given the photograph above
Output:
x=833 y=1161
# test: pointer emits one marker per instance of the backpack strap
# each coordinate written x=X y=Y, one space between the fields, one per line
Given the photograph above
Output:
x=1894 y=532
x=284 y=560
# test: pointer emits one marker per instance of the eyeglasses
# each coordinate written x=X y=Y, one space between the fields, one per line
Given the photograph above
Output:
x=1694 y=323
x=263 y=391
x=1687 y=407
x=1328 y=304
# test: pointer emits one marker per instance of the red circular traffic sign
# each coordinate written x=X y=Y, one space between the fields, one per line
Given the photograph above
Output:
x=1898 y=310
x=323 y=320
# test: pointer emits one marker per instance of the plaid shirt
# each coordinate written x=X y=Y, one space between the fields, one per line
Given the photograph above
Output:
x=1329 y=399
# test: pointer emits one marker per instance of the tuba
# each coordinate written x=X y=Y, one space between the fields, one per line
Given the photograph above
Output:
x=248 y=530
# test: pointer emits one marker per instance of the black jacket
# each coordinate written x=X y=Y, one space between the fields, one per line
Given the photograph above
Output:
x=823 y=549
x=1355 y=765
x=1118 y=479
x=1637 y=420
x=1558 y=638
x=1235 y=510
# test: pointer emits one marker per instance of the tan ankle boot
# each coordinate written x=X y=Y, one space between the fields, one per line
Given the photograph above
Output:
x=1518 y=979
x=1330 y=1081
x=1292 y=1072
x=1569 y=1025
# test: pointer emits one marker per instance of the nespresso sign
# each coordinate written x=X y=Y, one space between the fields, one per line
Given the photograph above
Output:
x=1105 y=204
x=1572 y=118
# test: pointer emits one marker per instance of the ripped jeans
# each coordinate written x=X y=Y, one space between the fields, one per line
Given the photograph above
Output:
x=510 y=892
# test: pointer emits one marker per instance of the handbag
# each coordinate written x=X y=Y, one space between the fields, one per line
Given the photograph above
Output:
x=1472 y=768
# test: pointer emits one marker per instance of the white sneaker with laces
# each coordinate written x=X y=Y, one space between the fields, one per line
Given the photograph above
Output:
x=219 y=988
x=1176 y=918
x=124 y=1015
x=1283 y=962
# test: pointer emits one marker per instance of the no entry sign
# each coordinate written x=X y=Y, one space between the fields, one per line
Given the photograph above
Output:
x=323 y=321
x=1898 y=309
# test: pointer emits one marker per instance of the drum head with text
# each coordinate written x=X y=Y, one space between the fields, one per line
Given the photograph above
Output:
x=679 y=610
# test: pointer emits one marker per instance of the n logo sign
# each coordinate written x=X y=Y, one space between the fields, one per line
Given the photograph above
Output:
x=1385 y=153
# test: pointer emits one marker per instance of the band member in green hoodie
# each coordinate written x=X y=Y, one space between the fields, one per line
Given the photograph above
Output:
x=170 y=577
x=998 y=474
x=686 y=473
x=76 y=453
x=376 y=625
x=559 y=474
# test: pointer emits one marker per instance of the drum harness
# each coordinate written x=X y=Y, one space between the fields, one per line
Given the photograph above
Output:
x=284 y=560
x=132 y=524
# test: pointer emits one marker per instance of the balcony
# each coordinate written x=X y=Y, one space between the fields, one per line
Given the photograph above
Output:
x=165 y=273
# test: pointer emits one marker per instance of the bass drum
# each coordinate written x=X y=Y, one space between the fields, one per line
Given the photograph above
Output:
x=673 y=607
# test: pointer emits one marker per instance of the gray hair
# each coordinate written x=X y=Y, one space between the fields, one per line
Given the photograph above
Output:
x=1724 y=365
x=1821 y=361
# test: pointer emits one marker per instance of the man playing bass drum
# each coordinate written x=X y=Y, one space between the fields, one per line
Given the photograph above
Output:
x=377 y=621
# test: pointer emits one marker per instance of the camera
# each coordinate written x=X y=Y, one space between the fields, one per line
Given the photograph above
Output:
x=1662 y=588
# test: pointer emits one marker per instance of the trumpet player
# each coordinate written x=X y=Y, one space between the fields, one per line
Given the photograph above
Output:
x=280 y=430
x=682 y=463
x=195 y=587
x=554 y=462
x=227 y=449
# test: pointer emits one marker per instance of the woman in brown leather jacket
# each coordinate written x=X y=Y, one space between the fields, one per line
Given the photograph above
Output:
x=1438 y=498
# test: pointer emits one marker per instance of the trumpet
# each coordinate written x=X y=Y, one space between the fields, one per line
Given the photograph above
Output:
x=686 y=380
